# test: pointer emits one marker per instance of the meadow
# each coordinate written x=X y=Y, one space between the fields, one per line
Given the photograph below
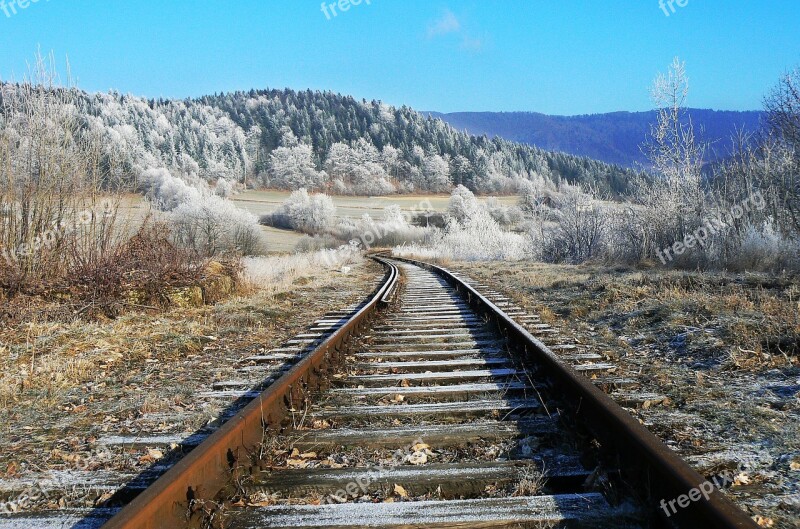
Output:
x=263 y=202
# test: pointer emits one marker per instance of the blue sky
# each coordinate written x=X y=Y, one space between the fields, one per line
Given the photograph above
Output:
x=552 y=56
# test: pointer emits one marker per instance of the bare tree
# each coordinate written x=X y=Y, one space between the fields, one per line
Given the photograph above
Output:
x=783 y=110
x=51 y=179
x=582 y=226
x=671 y=202
x=780 y=153
x=672 y=146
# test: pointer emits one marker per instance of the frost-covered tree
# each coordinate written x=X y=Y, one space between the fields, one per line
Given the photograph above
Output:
x=781 y=151
x=392 y=161
x=224 y=189
x=462 y=205
x=581 y=229
x=293 y=168
x=309 y=213
x=340 y=161
x=358 y=170
x=201 y=219
x=436 y=172
x=672 y=203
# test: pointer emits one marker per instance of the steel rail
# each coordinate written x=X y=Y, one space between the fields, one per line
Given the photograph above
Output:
x=645 y=457
x=207 y=469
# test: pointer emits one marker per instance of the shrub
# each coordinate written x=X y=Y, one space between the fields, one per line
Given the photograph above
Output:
x=212 y=226
x=312 y=214
x=581 y=228
x=139 y=273
x=480 y=238
x=200 y=220
x=52 y=212
x=393 y=230
x=429 y=219
x=504 y=215
x=752 y=248
x=317 y=243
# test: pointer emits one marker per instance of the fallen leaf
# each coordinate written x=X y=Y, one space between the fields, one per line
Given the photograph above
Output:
x=333 y=464
x=418 y=458
x=741 y=479
x=400 y=491
x=296 y=463
x=764 y=522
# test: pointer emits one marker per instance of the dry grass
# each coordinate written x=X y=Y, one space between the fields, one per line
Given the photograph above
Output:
x=65 y=383
x=754 y=319
x=531 y=482
x=276 y=274
x=724 y=348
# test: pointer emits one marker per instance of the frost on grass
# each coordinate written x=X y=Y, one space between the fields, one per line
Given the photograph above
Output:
x=277 y=273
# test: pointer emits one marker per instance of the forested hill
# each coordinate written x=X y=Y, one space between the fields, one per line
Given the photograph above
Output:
x=317 y=140
x=614 y=137
x=415 y=152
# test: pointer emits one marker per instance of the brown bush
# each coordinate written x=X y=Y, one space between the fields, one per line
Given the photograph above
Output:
x=143 y=272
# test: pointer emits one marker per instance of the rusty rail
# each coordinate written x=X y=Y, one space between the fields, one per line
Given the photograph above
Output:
x=208 y=468
x=660 y=472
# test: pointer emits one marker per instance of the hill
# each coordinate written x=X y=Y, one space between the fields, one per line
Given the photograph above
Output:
x=322 y=141
x=613 y=138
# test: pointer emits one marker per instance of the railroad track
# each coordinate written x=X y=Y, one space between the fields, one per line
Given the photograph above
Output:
x=431 y=405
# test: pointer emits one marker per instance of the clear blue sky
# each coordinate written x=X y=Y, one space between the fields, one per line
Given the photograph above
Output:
x=553 y=56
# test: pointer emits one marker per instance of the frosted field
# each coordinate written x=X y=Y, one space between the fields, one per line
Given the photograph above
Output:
x=282 y=241
x=263 y=202
x=259 y=203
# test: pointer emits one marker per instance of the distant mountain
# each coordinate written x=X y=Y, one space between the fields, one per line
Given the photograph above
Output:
x=613 y=138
